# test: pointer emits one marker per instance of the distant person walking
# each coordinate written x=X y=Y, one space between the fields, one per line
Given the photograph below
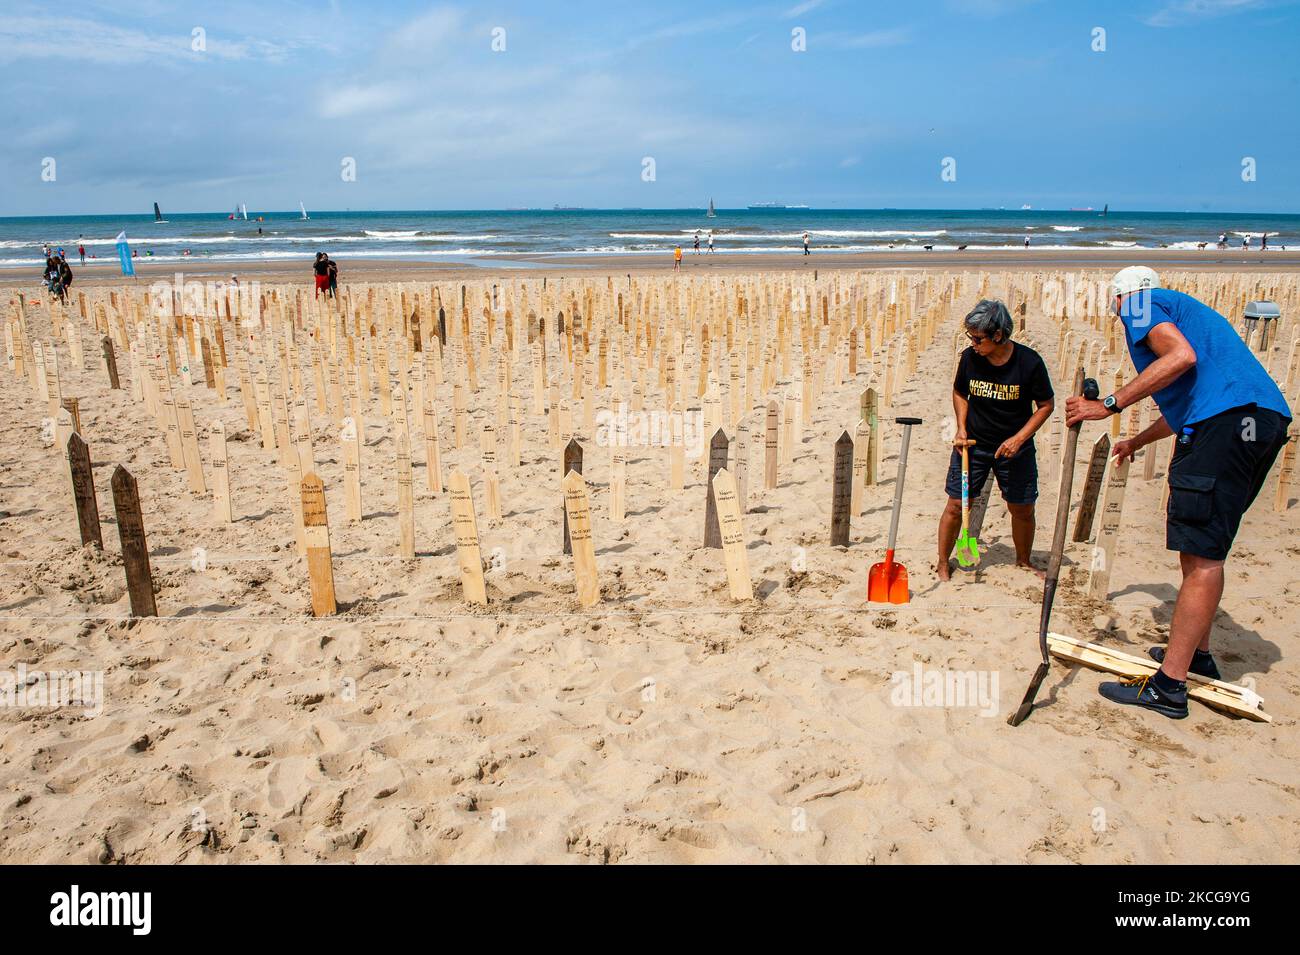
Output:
x=322 y=269
x=710 y=241
x=1245 y=243
x=1223 y=240
x=1263 y=243
x=1026 y=241
x=333 y=273
x=1231 y=421
x=805 y=244
x=677 y=255
x=81 y=251
x=697 y=242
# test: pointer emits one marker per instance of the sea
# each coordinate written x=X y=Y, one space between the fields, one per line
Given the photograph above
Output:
x=499 y=236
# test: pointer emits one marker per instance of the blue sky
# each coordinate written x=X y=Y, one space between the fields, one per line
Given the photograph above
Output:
x=713 y=92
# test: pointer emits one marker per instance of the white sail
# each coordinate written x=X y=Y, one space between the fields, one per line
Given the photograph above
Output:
x=243 y=209
x=304 y=209
x=711 y=213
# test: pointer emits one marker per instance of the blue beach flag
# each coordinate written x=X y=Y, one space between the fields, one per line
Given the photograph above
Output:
x=124 y=253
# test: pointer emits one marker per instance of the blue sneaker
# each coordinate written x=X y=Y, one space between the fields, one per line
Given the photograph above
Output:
x=1202 y=663
x=1141 y=691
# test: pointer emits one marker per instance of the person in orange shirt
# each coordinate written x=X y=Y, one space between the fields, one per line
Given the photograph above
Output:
x=677 y=259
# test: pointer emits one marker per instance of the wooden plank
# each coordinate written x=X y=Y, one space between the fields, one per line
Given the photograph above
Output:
x=83 y=491
x=1238 y=700
x=465 y=526
x=135 y=550
x=316 y=536
x=1091 y=488
x=733 y=536
x=577 y=508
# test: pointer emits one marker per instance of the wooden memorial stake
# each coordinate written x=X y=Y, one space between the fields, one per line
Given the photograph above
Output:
x=316 y=534
x=110 y=362
x=351 y=469
x=618 y=482
x=770 y=447
x=405 y=498
x=842 y=491
x=1091 y=488
x=871 y=412
x=717 y=461
x=1103 y=552
x=577 y=511
x=1286 y=470
x=135 y=551
x=861 y=457
x=733 y=536
x=221 y=510
x=677 y=448
x=572 y=462
x=190 y=445
x=465 y=527
x=83 y=491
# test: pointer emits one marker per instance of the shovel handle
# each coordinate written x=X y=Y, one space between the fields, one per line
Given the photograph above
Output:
x=898 y=484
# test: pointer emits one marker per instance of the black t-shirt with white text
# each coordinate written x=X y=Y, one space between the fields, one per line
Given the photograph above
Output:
x=1001 y=397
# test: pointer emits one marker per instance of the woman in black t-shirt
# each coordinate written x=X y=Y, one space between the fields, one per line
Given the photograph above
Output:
x=1001 y=396
x=321 y=268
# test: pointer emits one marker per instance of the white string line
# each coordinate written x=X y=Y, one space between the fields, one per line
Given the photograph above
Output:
x=593 y=613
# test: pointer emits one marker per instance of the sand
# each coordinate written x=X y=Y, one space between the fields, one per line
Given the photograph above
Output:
x=666 y=724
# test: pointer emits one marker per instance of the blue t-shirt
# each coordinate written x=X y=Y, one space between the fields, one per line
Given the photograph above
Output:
x=1226 y=374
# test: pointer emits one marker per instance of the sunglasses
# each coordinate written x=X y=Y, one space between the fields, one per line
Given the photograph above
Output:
x=977 y=339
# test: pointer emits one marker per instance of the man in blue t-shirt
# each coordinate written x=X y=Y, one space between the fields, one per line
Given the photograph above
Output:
x=1231 y=421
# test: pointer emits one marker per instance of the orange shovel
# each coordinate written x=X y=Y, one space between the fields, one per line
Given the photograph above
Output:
x=887 y=581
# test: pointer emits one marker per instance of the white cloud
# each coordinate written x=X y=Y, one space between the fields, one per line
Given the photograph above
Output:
x=91 y=41
x=800 y=9
x=1179 y=12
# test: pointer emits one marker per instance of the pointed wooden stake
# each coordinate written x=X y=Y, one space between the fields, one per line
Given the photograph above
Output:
x=351 y=442
x=221 y=508
x=316 y=535
x=733 y=536
x=110 y=362
x=83 y=491
x=577 y=510
x=718 y=446
x=770 y=447
x=1103 y=552
x=465 y=526
x=405 y=498
x=1091 y=488
x=572 y=462
x=842 y=491
x=135 y=551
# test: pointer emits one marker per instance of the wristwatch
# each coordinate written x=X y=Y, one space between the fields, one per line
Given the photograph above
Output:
x=1111 y=405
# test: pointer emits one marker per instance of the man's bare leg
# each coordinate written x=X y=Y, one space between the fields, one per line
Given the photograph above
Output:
x=949 y=528
x=1198 y=600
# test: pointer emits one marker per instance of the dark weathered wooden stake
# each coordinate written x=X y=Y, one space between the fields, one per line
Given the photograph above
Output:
x=572 y=462
x=1091 y=489
x=842 y=491
x=717 y=461
x=209 y=374
x=135 y=551
x=110 y=360
x=83 y=492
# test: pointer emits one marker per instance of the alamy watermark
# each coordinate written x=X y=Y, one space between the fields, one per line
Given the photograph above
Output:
x=53 y=689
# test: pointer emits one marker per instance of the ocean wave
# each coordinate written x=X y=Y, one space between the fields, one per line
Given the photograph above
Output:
x=396 y=234
x=1066 y=228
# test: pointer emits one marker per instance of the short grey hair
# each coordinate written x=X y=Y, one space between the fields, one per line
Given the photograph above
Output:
x=990 y=316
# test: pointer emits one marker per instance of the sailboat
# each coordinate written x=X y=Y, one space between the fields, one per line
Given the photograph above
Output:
x=157 y=214
x=1105 y=210
x=304 y=210
x=711 y=214
x=243 y=211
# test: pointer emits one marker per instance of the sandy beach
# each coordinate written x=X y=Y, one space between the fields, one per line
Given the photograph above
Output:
x=667 y=723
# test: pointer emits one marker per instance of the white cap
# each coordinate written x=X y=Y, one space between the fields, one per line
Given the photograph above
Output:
x=1133 y=279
